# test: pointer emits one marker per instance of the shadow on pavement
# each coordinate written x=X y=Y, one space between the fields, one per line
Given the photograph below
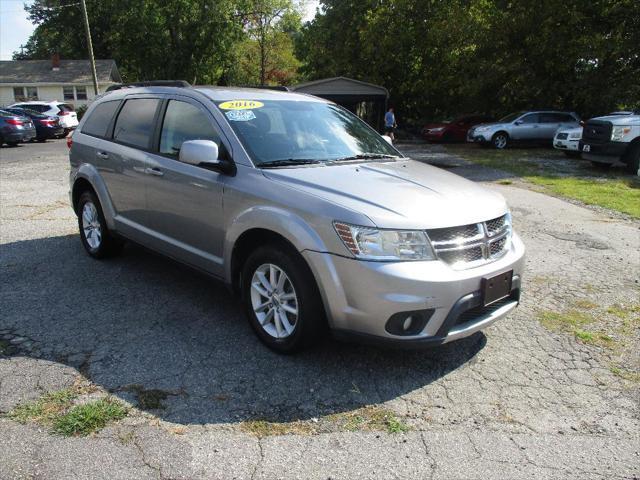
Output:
x=143 y=320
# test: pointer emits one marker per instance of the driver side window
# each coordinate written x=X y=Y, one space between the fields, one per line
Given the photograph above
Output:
x=182 y=122
x=531 y=118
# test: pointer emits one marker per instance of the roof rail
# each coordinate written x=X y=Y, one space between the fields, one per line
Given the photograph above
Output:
x=280 y=88
x=151 y=83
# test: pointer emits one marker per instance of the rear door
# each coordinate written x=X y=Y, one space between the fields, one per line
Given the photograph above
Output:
x=526 y=128
x=551 y=122
x=124 y=161
x=184 y=201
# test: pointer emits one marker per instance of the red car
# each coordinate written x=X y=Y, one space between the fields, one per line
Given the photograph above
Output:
x=452 y=131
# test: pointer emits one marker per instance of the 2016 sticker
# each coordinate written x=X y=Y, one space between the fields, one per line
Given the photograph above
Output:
x=241 y=105
x=240 y=115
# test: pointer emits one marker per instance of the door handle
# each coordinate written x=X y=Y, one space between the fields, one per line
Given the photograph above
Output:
x=102 y=155
x=154 y=171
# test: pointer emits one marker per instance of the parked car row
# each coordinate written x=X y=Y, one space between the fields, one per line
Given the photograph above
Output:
x=608 y=139
x=26 y=121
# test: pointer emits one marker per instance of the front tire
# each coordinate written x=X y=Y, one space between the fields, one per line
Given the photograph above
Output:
x=281 y=299
x=96 y=238
x=632 y=159
x=500 y=140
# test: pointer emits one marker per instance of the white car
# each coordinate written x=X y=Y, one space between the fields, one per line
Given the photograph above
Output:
x=68 y=117
x=568 y=140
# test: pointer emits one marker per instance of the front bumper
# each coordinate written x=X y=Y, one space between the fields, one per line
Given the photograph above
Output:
x=360 y=297
x=607 y=152
x=478 y=137
x=568 y=144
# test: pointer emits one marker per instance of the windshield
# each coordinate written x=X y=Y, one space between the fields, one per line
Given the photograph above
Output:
x=511 y=117
x=289 y=131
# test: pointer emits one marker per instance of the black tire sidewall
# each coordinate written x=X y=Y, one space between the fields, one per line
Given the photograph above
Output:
x=632 y=159
x=310 y=312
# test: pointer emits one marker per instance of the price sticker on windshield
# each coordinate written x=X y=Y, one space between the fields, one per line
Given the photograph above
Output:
x=241 y=105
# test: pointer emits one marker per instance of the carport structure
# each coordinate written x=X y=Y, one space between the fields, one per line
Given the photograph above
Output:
x=366 y=100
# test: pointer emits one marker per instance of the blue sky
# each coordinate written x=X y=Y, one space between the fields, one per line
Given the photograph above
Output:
x=15 y=28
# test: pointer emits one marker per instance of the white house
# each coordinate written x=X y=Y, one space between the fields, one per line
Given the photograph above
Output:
x=65 y=80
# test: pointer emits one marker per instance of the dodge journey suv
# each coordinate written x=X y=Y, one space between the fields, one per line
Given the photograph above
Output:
x=302 y=209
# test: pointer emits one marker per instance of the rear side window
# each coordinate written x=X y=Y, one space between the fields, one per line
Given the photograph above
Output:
x=183 y=122
x=65 y=107
x=98 y=122
x=134 y=125
x=39 y=108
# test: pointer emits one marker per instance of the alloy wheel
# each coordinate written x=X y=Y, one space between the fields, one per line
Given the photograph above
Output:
x=274 y=301
x=91 y=225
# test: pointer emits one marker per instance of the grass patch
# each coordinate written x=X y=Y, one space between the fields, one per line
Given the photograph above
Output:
x=57 y=411
x=585 y=304
x=46 y=409
x=625 y=374
x=370 y=418
x=604 y=189
x=573 y=322
x=89 y=417
x=623 y=312
x=264 y=428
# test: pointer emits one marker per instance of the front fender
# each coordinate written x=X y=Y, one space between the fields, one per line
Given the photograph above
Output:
x=90 y=174
x=292 y=227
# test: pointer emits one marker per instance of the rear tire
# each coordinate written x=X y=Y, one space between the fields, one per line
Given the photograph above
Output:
x=500 y=140
x=632 y=159
x=96 y=238
x=12 y=144
x=286 y=313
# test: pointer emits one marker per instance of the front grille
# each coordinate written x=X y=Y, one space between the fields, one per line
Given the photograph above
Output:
x=562 y=136
x=472 y=245
x=596 y=131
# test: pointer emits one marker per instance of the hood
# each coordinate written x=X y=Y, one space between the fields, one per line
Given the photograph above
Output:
x=620 y=120
x=491 y=125
x=401 y=194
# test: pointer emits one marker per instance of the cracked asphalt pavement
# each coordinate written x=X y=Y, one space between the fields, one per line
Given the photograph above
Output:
x=516 y=401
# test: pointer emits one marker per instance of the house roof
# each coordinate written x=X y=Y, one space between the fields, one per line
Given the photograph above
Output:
x=340 y=86
x=70 y=71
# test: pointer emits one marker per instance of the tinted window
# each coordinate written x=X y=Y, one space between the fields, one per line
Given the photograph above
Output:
x=531 y=118
x=65 y=107
x=553 y=118
x=98 y=122
x=135 y=122
x=183 y=122
x=38 y=108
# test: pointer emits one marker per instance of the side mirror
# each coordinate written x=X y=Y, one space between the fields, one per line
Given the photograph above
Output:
x=519 y=122
x=388 y=139
x=202 y=153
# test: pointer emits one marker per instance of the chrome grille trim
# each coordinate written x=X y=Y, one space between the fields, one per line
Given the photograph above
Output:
x=469 y=246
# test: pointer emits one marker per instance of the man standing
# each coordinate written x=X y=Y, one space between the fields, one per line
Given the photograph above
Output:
x=390 y=123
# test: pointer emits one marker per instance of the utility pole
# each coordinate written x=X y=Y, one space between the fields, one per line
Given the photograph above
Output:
x=87 y=32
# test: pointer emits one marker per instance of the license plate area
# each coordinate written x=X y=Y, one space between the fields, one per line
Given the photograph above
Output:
x=496 y=287
x=586 y=148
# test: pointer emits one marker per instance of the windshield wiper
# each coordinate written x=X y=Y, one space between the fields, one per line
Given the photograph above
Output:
x=364 y=156
x=288 y=162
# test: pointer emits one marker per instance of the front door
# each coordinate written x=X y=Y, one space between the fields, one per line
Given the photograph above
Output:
x=184 y=202
x=527 y=128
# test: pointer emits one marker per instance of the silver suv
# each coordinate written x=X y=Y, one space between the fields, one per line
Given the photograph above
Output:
x=314 y=219
x=522 y=127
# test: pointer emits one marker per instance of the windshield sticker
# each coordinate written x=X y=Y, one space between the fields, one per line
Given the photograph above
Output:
x=240 y=115
x=240 y=105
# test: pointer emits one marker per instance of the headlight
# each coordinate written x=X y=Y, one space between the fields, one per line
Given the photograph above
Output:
x=618 y=133
x=434 y=130
x=482 y=129
x=369 y=243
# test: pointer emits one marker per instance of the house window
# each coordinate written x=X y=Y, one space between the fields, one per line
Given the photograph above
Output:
x=74 y=93
x=81 y=93
x=67 y=93
x=21 y=94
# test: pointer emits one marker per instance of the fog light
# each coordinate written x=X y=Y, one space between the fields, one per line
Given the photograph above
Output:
x=408 y=323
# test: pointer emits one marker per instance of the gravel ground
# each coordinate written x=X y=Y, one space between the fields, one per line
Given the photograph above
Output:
x=517 y=401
